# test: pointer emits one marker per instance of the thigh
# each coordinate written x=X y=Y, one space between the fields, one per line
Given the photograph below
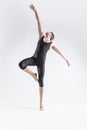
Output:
x=27 y=62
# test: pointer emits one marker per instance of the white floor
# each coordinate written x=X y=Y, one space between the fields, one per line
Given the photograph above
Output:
x=57 y=117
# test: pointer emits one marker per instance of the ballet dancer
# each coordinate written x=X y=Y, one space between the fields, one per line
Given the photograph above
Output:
x=39 y=57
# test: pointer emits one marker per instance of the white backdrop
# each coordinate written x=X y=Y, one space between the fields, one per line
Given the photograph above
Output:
x=65 y=87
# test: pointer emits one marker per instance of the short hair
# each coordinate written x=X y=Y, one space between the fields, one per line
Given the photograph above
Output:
x=52 y=37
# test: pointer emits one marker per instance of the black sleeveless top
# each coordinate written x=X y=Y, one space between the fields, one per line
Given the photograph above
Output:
x=41 y=49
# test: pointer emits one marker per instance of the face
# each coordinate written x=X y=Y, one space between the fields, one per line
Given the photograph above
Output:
x=48 y=34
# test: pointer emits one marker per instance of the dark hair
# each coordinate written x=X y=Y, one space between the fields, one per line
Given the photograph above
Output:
x=52 y=37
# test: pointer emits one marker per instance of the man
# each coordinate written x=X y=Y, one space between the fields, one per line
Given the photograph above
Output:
x=39 y=57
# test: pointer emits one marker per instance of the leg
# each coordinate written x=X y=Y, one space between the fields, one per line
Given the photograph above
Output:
x=41 y=97
x=41 y=69
x=24 y=66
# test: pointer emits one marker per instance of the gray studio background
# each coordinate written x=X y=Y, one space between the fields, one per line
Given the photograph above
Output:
x=64 y=86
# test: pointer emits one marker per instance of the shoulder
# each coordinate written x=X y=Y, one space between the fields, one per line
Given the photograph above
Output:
x=52 y=44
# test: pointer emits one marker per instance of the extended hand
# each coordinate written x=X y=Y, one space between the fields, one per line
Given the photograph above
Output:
x=67 y=62
x=32 y=7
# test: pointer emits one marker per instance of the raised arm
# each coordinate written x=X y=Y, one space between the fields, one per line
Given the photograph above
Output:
x=56 y=50
x=38 y=21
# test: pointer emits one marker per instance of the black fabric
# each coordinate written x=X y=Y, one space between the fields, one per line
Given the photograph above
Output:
x=37 y=59
x=41 y=49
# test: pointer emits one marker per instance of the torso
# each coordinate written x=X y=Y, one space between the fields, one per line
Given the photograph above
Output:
x=42 y=48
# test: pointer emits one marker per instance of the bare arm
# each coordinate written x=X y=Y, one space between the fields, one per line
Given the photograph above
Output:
x=56 y=50
x=38 y=21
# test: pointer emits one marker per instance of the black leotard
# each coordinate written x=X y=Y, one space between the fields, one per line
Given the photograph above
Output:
x=41 y=50
x=38 y=59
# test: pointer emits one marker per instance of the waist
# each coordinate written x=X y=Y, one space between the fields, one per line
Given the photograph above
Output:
x=39 y=59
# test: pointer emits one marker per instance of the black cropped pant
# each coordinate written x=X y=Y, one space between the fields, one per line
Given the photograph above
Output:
x=32 y=61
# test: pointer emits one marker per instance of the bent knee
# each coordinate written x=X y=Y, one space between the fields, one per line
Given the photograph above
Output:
x=21 y=65
x=41 y=83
